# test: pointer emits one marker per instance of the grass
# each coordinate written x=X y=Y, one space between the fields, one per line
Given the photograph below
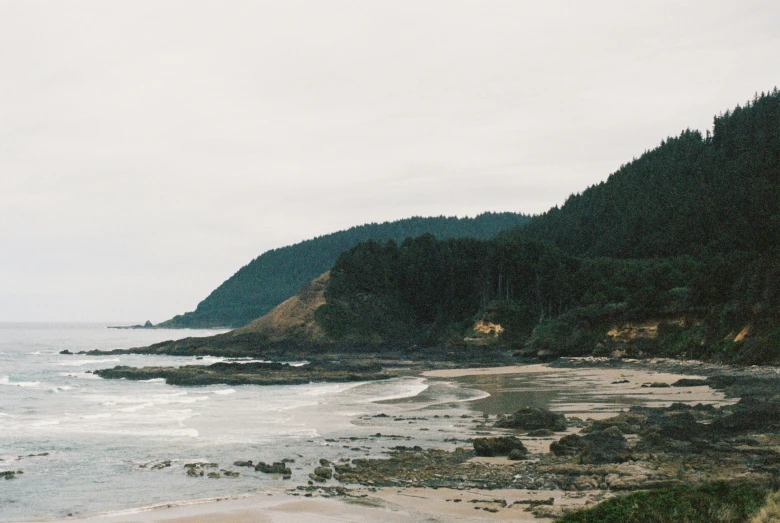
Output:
x=711 y=503
x=770 y=512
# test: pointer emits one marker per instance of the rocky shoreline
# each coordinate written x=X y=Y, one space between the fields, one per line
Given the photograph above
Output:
x=532 y=450
x=254 y=373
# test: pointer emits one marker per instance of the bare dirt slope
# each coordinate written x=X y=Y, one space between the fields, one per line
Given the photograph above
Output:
x=293 y=318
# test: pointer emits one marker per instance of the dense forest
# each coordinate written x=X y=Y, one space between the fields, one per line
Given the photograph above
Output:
x=278 y=274
x=682 y=242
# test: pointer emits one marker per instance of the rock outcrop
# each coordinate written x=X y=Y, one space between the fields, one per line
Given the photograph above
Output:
x=500 y=446
x=533 y=418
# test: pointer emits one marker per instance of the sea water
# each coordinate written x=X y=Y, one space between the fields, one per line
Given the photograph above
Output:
x=88 y=445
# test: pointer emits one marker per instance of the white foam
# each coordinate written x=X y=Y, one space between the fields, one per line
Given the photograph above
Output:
x=154 y=380
x=226 y=391
x=5 y=380
x=45 y=423
x=102 y=415
x=79 y=363
x=82 y=376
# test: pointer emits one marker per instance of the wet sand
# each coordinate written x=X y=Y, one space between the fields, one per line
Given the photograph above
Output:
x=583 y=392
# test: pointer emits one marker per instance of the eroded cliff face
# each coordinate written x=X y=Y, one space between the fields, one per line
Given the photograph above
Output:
x=293 y=318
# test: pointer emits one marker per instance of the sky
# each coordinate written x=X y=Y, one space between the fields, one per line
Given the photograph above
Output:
x=150 y=148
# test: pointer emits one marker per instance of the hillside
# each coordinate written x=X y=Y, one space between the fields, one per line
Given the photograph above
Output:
x=677 y=254
x=294 y=317
x=717 y=191
x=276 y=275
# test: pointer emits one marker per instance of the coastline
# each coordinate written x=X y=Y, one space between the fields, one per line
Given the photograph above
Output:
x=595 y=388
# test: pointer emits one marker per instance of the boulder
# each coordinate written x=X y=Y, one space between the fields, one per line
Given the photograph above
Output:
x=533 y=418
x=750 y=413
x=601 y=446
x=276 y=468
x=606 y=446
x=690 y=382
x=678 y=425
x=517 y=454
x=540 y=433
x=500 y=446
x=570 y=445
x=323 y=472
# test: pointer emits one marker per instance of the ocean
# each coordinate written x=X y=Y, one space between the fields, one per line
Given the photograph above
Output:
x=89 y=446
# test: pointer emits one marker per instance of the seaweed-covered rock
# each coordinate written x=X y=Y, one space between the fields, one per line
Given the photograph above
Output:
x=750 y=413
x=247 y=463
x=679 y=425
x=690 y=382
x=540 y=433
x=499 y=446
x=533 y=418
x=323 y=472
x=605 y=446
x=600 y=446
x=517 y=454
x=276 y=468
x=626 y=422
x=567 y=446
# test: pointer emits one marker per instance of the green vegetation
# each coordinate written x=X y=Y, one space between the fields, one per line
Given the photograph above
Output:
x=690 y=195
x=278 y=274
x=682 y=242
x=718 y=502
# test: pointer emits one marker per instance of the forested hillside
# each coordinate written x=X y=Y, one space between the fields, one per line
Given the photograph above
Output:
x=278 y=274
x=716 y=191
x=677 y=253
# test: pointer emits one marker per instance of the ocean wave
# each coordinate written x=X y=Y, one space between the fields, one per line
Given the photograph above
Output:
x=6 y=380
x=225 y=391
x=78 y=363
x=82 y=376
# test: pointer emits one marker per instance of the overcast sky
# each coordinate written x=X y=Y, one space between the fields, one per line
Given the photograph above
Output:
x=149 y=149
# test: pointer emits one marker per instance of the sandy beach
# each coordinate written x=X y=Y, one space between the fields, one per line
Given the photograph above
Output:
x=583 y=393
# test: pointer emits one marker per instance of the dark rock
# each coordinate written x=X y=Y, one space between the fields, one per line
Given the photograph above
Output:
x=627 y=422
x=196 y=469
x=243 y=463
x=276 y=468
x=690 y=382
x=570 y=445
x=323 y=472
x=606 y=446
x=534 y=418
x=540 y=433
x=677 y=425
x=252 y=373
x=517 y=454
x=656 y=385
x=66 y=351
x=603 y=446
x=750 y=413
x=499 y=446
x=9 y=474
